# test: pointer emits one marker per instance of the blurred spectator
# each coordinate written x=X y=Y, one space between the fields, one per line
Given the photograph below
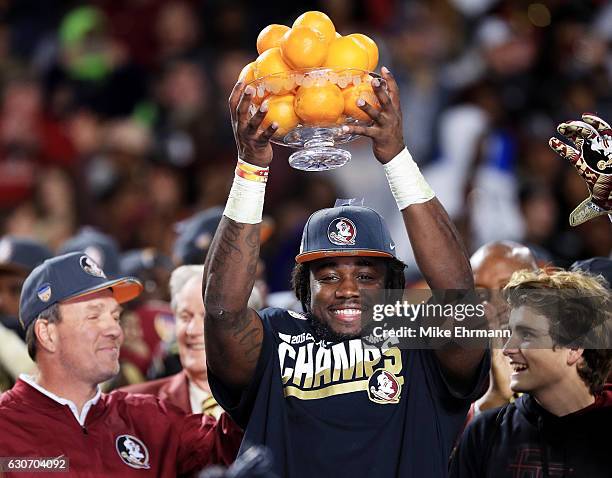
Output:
x=29 y=140
x=102 y=248
x=149 y=339
x=195 y=235
x=540 y=214
x=177 y=30
x=50 y=214
x=18 y=256
x=93 y=71
x=184 y=127
x=152 y=268
x=597 y=266
x=493 y=265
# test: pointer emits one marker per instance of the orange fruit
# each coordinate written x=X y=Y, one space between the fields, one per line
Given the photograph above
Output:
x=247 y=74
x=303 y=47
x=271 y=62
x=319 y=104
x=280 y=109
x=371 y=48
x=347 y=52
x=270 y=37
x=319 y=22
x=352 y=94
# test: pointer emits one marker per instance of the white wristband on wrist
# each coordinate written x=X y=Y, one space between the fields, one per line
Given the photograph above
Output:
x=246 y=198
x=407 y=184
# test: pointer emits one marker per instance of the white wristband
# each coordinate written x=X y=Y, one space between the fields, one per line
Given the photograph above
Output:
x=246 y=199
x=407 y=184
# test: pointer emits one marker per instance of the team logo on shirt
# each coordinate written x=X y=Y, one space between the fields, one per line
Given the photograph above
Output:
x=132 y=451
x=342 y=232
x=89 y=266
x=383 y=387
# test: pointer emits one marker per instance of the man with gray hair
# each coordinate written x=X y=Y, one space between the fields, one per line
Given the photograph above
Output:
x=189 y=388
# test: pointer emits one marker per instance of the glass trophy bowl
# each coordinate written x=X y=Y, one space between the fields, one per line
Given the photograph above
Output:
x=316 y=142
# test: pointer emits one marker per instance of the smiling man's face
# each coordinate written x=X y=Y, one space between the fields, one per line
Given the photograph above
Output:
x=336 y=286
x=537 y=365
x=90 y=337
x=190 y=315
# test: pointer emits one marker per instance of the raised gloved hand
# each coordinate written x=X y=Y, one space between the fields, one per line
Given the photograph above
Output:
x=592 y=157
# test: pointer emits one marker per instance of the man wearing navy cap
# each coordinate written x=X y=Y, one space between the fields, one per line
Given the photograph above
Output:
x=18 y=256
x=195 y=235
x=70 y=311
x=305 y=384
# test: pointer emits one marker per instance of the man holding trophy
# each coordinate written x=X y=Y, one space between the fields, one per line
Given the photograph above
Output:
x=338 y=407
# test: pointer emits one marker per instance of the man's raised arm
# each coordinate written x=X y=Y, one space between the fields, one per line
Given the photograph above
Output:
x=233 y=332
x=439 y=252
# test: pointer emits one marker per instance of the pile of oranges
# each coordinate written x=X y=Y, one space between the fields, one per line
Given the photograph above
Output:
x=312 y=43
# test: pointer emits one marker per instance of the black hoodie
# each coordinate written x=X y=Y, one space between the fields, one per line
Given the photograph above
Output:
x=523 y=440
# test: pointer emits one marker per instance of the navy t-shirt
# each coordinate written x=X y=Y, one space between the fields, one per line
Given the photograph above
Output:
x=346 y=409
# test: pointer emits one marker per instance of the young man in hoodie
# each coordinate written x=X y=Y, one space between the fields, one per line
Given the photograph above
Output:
x=560 y=426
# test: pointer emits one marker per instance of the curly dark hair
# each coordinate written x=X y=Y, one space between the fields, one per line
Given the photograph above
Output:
x=300 y=280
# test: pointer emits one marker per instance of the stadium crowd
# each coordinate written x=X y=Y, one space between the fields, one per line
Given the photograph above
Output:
x=116 y=140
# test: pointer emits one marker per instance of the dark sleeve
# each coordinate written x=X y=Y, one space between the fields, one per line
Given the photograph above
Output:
x=239 y=403
x=443 y=388
x=471 y=456
x=465 y=461
x=204 y=441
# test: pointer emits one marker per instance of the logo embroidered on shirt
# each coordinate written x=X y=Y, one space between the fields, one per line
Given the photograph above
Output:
x=132 y=451
x=383 y=387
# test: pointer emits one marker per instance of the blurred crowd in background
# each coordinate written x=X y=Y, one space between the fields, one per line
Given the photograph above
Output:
x=113 y=114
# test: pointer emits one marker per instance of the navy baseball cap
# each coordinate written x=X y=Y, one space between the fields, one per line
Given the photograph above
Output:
x=195 y=236
x=345 y=231
x=138 y=261
x=21 y=255
x=596 y=266
x=66 y=277
x=102 y=248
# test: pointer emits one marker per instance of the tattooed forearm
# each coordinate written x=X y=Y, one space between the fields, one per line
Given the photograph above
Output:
x=227 y=281
x=233 y=332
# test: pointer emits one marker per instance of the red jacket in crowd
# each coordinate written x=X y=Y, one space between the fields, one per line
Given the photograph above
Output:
x=122 y=435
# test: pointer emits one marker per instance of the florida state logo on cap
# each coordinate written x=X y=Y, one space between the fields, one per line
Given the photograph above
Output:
x=89 y=266
x=342 y=232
